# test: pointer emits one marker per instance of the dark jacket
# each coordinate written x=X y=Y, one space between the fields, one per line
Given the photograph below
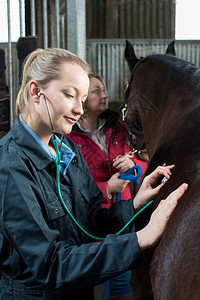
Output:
x=42 y=252
x=100 y=164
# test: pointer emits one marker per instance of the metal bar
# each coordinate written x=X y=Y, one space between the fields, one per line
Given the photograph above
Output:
x=197 y=55
x=63 y=31
x=21 y=17
x=33 y=31
x=57 y=6
x=10 y=63
x=45 y=25
x=93 y=57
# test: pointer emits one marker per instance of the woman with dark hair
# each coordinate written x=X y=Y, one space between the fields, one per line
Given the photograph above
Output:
x=102 y=139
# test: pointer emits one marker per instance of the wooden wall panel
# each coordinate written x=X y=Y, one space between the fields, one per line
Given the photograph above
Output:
x=130 y=19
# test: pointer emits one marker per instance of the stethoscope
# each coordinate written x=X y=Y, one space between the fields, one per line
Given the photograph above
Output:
x=57 y=161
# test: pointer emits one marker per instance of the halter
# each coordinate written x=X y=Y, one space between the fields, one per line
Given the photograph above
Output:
x=124 y=107
x=127 y=85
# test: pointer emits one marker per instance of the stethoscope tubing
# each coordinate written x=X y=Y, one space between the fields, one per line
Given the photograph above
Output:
x=57 y=161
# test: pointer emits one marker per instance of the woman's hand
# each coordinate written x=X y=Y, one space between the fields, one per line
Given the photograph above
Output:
x=115 y=184
x=149 y=188
x=150 y=235
x=123 y=163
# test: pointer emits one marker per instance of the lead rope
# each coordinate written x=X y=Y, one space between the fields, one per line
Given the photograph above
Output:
x=129 y=176
x=135 y=178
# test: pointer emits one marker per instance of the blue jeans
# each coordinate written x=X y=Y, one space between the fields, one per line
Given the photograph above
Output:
x=121 y=284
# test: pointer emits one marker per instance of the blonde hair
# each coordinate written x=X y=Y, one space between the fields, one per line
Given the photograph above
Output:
x=44 y=66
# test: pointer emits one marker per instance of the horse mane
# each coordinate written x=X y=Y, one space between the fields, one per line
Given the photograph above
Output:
x=178 y=69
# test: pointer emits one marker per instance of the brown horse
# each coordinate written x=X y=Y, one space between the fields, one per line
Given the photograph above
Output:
x=163 y=107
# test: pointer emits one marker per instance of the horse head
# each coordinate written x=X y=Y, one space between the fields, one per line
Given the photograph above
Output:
x=133 y=118
x=155 y=96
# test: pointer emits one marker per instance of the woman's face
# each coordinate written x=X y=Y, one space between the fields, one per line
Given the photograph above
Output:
x=97 y=101
x=65 y=97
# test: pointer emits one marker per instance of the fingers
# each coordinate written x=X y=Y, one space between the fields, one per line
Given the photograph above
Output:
x=123 y=186
x=123 y=168
x=173 y=198
x=123 y=164
x=150 y=187
x=155 y=175
x=121 y=160
x=167 y=206
x=116 y=184
x=116 y=175
x=164 y=170
x=119 y=163
x=157 y=189
x=161 y=215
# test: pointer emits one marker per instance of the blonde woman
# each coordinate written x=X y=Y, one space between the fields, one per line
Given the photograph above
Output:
x=43 y=253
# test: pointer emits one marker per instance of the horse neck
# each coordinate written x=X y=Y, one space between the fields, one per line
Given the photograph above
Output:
x=168 y=118
x=158 y=120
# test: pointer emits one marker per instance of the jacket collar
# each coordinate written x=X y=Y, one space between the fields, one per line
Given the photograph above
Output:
x=27 y=144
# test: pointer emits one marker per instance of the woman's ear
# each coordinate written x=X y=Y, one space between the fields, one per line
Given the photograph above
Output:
x=34 y=89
